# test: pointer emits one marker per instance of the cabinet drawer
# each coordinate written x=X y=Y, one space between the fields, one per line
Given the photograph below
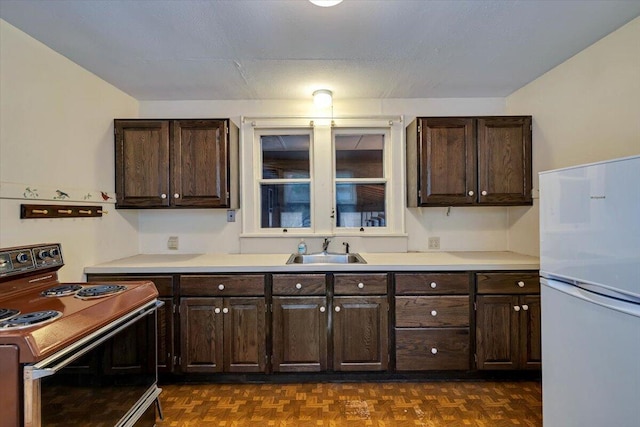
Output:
x=416 y=312
x=222 y=285
x=299 y=284
x=432 y=349
x=508 y=283
x=432 y=284
x=360 y=284
x=164 y=284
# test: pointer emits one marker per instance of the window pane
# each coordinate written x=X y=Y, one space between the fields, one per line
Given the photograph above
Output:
x=359 y=156
x=285 y=206
x=285 y=156
x=360 y=205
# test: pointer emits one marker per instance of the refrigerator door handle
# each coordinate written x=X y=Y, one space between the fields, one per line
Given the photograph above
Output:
x=594 y=298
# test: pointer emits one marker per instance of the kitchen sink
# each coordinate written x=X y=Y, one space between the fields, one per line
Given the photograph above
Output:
x=326 y=258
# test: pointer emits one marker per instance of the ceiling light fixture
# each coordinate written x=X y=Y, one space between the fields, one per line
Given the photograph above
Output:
x=325 y=3
x=323 y=98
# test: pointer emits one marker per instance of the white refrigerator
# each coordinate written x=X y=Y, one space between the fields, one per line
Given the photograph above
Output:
x=590 y=276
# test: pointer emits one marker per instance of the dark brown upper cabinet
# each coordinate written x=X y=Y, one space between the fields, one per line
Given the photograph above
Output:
x=464 y=161
x=176 y=163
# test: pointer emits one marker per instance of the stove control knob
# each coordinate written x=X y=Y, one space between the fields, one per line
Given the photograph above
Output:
x=43 y=254
x=22 y=258
x=54 y=252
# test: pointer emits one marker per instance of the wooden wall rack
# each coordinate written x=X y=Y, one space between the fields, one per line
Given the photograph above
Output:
x=60 y=211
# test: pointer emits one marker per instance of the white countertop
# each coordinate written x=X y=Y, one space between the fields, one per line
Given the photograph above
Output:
x=234 y=263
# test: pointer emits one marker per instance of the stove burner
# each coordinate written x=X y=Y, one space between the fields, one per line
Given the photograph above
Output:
x=30 y=319
x=62 y=290
x=100 y=291
x=6 y=313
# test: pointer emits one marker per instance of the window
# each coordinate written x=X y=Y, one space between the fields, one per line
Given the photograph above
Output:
x=305 y=178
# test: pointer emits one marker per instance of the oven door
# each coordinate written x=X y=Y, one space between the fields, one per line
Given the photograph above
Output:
x=106 y=379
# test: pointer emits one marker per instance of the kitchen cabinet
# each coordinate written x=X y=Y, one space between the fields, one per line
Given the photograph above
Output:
x=432 y=318
x=300 y=323
x=121 y=357
x=360 y=322
x=508 y=321
x=176 y=163
x=222 y=323
x=461 y=161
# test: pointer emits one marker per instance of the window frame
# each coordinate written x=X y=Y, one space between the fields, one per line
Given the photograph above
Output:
x=322 y=170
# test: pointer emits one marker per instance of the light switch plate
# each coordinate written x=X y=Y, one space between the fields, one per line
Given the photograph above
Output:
x=434 y=243
x=173 y=242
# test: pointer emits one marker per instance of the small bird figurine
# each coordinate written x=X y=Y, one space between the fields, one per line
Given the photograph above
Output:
x=62 y=194
x=105 y=196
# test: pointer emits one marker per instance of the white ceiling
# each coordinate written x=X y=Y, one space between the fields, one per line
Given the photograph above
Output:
x=285 y=49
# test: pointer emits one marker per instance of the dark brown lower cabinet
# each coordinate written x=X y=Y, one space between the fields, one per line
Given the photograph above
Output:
x=223 y=334
x=299 y=334
x=360 y=333
x=508 y=332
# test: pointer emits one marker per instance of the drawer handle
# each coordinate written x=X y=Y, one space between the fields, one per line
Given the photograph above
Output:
x=217 y=310
x=516 y=307
x=225 y=310
x=525 y=307
x=434 y=350
x=322 y=309
x=521 y=284
x=337 y=309
x=360 y=285
x=221 y=287
x=298 y=285
x=434 y=313
x=433 y=285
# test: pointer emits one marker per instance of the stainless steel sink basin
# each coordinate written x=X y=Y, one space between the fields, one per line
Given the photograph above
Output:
x=326 y=258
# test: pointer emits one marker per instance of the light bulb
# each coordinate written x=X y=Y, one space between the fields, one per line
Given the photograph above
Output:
x=323 y=98
x=325 y=3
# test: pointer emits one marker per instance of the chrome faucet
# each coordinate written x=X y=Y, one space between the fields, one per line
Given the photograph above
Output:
x=325 y=244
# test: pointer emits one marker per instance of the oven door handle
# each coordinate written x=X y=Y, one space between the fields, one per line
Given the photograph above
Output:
x=41 y=369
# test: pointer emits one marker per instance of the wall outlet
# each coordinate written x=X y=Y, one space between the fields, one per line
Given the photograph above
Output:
x=231 y=215
x=434 y=243
x=172 y=243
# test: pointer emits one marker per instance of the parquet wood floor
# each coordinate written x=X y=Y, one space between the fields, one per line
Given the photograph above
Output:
x=426 y=404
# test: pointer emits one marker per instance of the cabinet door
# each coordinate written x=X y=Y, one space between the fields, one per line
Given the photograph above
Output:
x=504 y=160
x=142 y=163
x=360 y=333
x=244 y=335
x=530 y=336
x=447 y=161
x=165 y=336
x=199 y=167
x=299 y=334
x=497 y=330
x=201 y=331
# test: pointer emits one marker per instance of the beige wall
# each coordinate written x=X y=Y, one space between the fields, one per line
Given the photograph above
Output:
x=56 y=132
x=586 y=109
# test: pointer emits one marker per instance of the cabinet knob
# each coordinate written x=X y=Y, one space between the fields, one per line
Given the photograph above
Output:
x=176 y=196
x=433 y=285
x=516 y=307
x=298 y=285
x=221 y=287
x=525 y=307
x=337 y=309
x=225 y=310
x=434 y=313
x=163 y=196
x=471 y=193
x=360 y=285
x=217 y=310
x=521 y=284
x=322 y=309
x=484 y=192
x=434 y=350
